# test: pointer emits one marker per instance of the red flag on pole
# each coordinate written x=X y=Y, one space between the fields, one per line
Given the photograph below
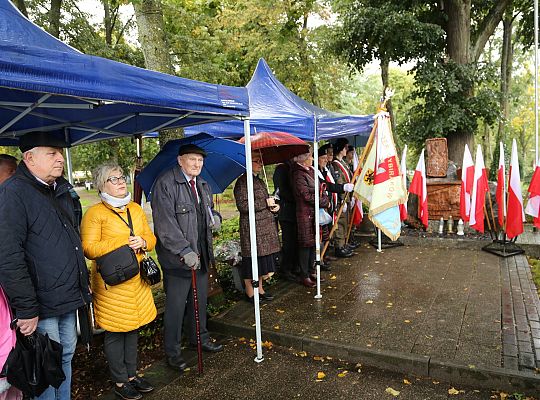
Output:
x=358 y=215
x=533 y=205
x=403 y=207
x=515 y=217
x=479 y=190
x=418 y=187
x=500 y=195
x=467 y=175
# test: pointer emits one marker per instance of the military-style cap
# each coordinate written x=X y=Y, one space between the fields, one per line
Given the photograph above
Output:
x=191 y=149
x=40 y=139
x=340 y=144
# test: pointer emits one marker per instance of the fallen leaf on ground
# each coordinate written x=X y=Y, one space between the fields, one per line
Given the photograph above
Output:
x=453 y=391
x=315 y=337
x=267 y=344
x=357 y=324
x=407 y=321
x=302 y=354
x=328 y=358
x=320 y=375
x=333 y=306
x=418 y=311
x=406 y=382
x=276 y=327
x=436 y=382
x=333 y=277
x=317 y=358
x=391 y=391
x=280 y=311
x=369 y=302
x=342 y=374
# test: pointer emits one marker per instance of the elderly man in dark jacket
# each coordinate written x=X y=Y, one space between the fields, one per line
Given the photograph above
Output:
x=182 y=210
x=42 y=266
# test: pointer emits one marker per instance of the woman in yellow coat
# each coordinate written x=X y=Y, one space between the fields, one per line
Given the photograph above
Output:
x=121 y=309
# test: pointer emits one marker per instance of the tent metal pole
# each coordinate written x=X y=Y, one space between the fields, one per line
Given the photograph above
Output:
x=317 y=226
x=69 y=165
x=536 y=82
x=253 y=241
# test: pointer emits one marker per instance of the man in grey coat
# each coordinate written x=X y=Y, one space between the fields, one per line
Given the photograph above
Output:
x=184 y=218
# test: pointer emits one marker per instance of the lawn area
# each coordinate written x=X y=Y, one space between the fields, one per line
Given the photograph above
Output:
x=535 y=269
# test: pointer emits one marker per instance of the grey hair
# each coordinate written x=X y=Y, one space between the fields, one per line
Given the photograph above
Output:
x=101 y=173
x=302 y=157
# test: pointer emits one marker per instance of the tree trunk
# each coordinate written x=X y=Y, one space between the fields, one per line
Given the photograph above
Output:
x=107 y=22
x=152 y=36
x=386 y=83
x=456 y=143
x=156 y=51
x=458 y=30
x=54 y=18
x=22 y=7
x=506 y=73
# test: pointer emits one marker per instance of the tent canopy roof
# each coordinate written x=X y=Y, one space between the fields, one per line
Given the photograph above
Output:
x=273 y=107
x=47 y=85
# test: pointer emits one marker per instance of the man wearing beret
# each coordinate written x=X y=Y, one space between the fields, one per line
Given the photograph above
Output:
x=42 y=267
x=182 y=209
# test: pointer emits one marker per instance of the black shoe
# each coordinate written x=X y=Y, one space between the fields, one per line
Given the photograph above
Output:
x=141 y=385
x=266 y=296
x=342 y=252
x=353 y=245
x=209 y=347
x=325 y=267
x=249 y=299
x=127 y=392
x=177 y=363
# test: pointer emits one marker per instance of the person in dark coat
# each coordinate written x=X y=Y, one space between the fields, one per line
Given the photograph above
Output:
x=42 y=267
x=287 y=221
x=303 y=181
x=265 y=227
x=184 y=217
x=8 y=165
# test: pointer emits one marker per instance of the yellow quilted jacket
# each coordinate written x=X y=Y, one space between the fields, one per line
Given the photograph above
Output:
x=128 y=305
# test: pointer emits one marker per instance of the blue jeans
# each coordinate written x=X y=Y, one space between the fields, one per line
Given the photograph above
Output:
x=63 y=330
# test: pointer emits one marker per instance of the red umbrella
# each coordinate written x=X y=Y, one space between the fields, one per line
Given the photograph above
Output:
x=277 y=147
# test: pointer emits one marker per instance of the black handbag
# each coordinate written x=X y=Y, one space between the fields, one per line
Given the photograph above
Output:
x=121 y=264
x=150 y=271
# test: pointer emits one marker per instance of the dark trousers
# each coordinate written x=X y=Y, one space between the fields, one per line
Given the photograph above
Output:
x=306 y=256
x=178 y=302
x=121 y=352
x=289 y=253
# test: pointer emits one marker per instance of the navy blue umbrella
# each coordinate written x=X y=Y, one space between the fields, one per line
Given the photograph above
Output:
x=225 y=161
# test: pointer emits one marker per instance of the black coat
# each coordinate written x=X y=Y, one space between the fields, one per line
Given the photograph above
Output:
x=283 y=186
x=42 y=266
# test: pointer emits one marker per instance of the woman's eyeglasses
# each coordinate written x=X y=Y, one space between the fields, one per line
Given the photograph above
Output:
x=115 y=180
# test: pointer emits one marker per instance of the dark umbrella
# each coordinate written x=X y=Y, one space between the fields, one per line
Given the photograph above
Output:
x=276 y=147
x=225 y=161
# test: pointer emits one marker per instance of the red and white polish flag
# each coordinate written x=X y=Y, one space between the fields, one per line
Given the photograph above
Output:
x=467 y=175
x=418 y=187
x=515 y=215
x=403 y=207
x=500 y=195
x=479 y=190
x=533 y=205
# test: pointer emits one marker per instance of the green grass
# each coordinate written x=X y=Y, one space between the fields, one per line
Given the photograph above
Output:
x=535 y=270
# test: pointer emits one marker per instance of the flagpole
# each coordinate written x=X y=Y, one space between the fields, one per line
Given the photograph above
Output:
x=318 y=256
x=536 y=81
x=355 y=176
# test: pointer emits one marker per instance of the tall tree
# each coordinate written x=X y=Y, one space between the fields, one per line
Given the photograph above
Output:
x=21 y=6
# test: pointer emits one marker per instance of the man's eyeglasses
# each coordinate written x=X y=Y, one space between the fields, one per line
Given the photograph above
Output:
x=115 y=180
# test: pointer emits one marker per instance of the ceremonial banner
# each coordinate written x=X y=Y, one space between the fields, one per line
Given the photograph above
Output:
x=467 y=176
x=500 y=195
x=515 y=215
x=388 y=191
x=363 y=188
x=358 y=215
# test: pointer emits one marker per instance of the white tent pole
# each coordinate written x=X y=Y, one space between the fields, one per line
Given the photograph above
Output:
x=253 y=241
x=379 y=240
x=69 y=165
x=536 y=81
x=317 y=226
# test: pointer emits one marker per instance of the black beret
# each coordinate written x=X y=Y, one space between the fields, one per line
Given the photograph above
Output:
x=40 y=139
x=191 y=149
x=340 y=144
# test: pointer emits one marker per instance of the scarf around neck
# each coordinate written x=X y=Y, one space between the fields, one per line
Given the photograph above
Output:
x=115 y=201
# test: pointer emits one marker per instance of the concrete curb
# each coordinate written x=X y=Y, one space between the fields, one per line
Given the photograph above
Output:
x=426 y=366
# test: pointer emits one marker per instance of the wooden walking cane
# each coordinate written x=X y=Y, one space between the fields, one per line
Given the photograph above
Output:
x=197 y=321
x=356 y=174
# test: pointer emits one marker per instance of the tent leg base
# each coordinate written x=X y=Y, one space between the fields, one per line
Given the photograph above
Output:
x=503 y=248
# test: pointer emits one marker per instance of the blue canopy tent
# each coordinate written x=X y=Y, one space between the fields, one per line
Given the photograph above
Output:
x=273 y=107
x=48 y=85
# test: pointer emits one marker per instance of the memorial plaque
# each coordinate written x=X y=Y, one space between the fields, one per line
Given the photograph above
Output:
x=437 y=157
x=443 y=199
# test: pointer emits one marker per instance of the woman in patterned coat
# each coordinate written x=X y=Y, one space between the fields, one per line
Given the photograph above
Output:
x=265 y=226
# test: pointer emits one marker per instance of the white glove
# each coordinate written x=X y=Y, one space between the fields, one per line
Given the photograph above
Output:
x=348 y=187
x=191 y=259
x=353 y=202
x=345 y=207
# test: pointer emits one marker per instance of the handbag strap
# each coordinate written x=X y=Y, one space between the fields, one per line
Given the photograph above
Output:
x=129 y=223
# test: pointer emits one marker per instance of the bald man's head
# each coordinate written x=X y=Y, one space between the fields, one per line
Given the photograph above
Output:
x=8 y=165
